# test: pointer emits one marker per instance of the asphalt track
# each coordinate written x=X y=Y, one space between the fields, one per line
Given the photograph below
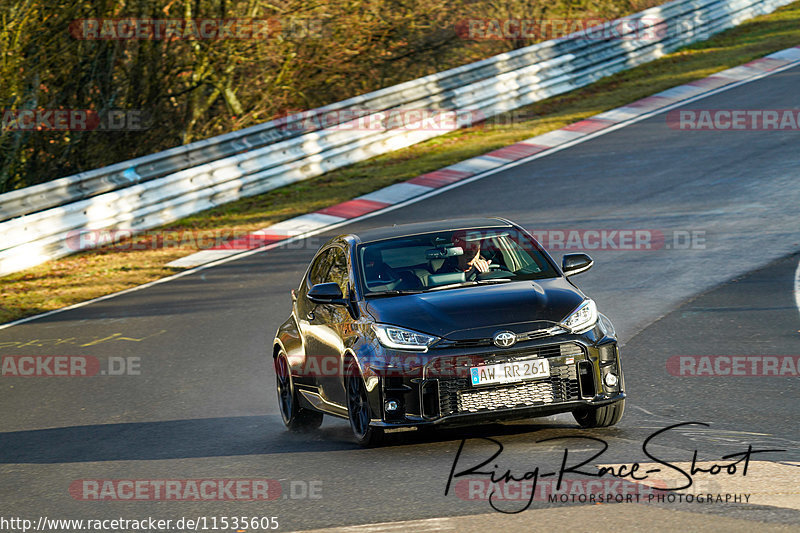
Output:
x=203 y=405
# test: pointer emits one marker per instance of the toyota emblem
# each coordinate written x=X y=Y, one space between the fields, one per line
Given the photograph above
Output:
x=504 y=339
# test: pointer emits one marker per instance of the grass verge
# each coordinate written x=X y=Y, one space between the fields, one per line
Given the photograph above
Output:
x=94 y=273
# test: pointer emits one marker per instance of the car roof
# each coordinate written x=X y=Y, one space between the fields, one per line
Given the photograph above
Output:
x=402 y=230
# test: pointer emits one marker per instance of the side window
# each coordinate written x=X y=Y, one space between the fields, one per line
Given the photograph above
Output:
x=338 y=269
x=319 y=270
x=330 y=266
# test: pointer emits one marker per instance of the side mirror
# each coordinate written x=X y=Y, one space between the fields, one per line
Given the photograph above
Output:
x=326 y=293
x=573 y=264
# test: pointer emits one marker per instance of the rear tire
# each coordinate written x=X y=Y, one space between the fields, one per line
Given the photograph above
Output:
x=599 y=417
x=297 y=419
x=358 y=411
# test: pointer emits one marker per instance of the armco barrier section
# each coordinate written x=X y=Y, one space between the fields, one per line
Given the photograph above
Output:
x=157 y=189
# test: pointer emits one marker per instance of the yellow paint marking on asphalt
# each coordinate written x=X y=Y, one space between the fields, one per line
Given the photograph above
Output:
x=39 y=343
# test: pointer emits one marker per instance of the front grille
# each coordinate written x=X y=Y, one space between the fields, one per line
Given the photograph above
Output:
x=458 y=396
x=531 y=393
x=459 y=365
x=542 y=329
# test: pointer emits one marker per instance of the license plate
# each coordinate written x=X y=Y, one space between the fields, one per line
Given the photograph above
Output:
x=510 y=372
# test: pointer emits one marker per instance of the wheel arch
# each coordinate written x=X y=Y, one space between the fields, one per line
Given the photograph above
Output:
x=277 y=347
x=287 y=338
x=348 y=356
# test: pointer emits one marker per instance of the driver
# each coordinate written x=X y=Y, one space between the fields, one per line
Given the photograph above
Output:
x=376 y=271
x=471 y=258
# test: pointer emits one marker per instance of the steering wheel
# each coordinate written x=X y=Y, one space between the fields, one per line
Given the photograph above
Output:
x=496 y=266
x=495 y=271
x=473 y=273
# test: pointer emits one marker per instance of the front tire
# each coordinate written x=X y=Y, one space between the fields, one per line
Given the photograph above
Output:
x=358 y=410
x=295 y=418
x=599 y=417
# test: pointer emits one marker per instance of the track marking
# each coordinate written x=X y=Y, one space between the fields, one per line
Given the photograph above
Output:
x=797 y=287
x=425 y=196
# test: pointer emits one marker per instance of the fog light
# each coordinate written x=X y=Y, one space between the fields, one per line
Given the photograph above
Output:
x=392 y=405
x=608 y=352
x=611 y=380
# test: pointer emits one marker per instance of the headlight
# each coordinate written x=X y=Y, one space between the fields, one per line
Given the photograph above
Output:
x=403 y=339
x=582 y=319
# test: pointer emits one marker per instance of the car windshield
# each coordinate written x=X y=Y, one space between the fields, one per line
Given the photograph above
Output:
x=445 y=260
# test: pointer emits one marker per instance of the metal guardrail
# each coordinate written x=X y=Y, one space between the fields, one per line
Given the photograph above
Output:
x=157 y=189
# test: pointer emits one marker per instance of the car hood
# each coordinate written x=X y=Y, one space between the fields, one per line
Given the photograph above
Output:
x=480 y=311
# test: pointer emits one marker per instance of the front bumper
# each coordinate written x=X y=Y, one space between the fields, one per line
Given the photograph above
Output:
x=500 y=415
x=439 y=392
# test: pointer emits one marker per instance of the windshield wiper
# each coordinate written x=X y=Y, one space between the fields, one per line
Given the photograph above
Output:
x=469 y=284
x=393 y=292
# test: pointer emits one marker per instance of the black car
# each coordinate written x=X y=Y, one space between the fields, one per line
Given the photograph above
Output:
x=447 y=322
